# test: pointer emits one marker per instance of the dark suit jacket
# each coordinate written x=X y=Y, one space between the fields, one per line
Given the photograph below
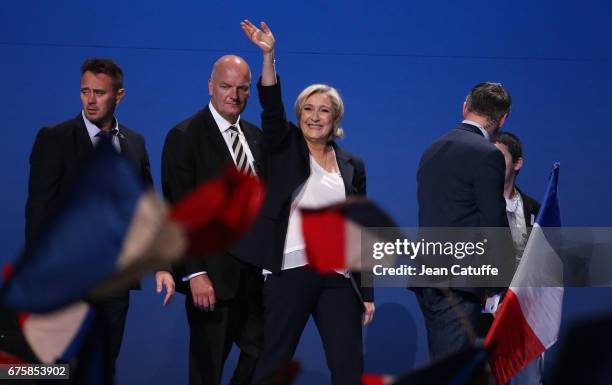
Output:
x=195 y=151
x=460 y=183
x=288 y=167
x=530 y=207
x=57 y=156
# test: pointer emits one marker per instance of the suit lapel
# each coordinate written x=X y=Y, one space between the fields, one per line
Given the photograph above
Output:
x=346 y=169
x=127 y=148
x=82 y=146
x=216 y=142
x=253 y=143
x=527 y=209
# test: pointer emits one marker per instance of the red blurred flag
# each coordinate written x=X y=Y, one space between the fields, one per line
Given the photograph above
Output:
x=375 y=379
x=9 y=359
x=219 y=211
x=332 y=234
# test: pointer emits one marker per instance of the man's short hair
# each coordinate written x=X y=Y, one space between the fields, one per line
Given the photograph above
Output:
x=515 y=148
x=104 y=66
x=490 y=100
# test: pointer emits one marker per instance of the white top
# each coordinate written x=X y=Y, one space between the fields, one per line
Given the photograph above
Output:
x=322 y=188
x=516 y=221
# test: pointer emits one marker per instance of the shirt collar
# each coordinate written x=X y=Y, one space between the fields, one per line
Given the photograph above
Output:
x=93 y=130
x=513 y=204
x=223 y=124
x=473 y=123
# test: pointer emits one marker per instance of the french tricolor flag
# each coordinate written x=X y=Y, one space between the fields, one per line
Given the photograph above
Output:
x=51 y=337
x=529 y=320
x=112 y=229
x=57 y=336
x=108 y=222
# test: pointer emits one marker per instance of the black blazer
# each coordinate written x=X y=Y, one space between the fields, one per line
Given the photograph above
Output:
x=195 y=151
x=460 y=183
x=57 y=156
x=530 y=208
x=288 y=167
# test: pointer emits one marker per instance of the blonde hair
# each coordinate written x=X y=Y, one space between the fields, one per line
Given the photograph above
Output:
x=336 y=101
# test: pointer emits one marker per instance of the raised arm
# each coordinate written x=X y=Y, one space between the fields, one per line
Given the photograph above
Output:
x=264 y=39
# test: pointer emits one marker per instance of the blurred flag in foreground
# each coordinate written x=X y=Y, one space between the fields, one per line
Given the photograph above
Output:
x=333 y=233
x=45 y=338
x=529 y=319
x=219 y=212
x=465 y=367
x=286 y=375
x=112 y=229
x=108 y=221
x=57 y=336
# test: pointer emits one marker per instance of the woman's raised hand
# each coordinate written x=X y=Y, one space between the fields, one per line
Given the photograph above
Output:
x=263 y=38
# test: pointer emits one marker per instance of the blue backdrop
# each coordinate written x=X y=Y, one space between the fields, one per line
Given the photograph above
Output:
x=403 y=68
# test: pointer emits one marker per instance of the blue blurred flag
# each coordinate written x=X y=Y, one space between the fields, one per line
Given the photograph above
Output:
x=83 y=244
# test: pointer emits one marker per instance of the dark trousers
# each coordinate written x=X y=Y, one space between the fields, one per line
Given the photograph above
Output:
x=453 y=320
x=98 y=355
x=289 y=299
x=238 y=320
x=113 y=310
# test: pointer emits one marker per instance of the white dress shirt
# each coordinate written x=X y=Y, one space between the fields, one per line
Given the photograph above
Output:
x=322 y=188
x=517 y=223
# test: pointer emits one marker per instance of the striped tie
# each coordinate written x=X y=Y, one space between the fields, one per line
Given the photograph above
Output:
x=242 y=162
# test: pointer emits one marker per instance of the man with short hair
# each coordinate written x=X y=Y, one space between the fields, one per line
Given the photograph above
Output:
x=460 y=183
x=223 y=291
x=58 y=156
x=522 y=211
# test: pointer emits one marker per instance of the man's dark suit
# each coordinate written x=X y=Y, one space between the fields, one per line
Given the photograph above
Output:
x=195 y=151
x=57 y=157
x=530 y=208
x=460 y=184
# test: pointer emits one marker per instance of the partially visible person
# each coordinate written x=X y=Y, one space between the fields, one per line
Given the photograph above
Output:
x=58 y=156
x=223 y=291
x=460 y=183
x=306 y=168
x=522 y=211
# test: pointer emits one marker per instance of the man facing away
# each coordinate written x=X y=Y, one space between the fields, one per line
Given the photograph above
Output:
x=223 y=292
x=460 y=183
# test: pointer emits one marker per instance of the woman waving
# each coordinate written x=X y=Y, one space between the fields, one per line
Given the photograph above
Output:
x=306 y=168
